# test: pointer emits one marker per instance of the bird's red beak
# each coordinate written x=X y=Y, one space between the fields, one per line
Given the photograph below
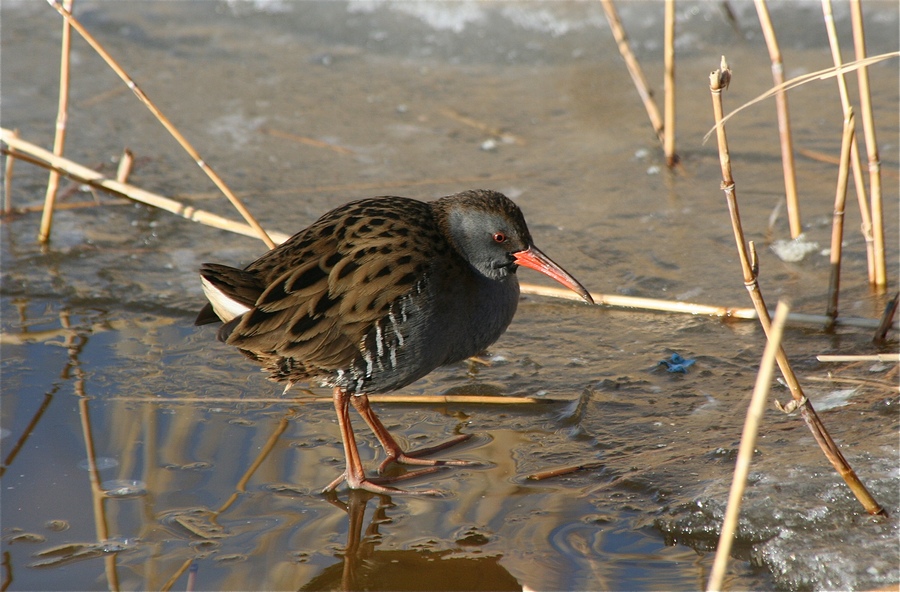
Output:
x=534 y=259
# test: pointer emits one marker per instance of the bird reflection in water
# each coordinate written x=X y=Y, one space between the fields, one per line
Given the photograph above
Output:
x=364 y=567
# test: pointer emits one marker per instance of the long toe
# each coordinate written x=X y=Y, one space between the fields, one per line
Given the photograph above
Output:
x=378 y=485
x=414 y=457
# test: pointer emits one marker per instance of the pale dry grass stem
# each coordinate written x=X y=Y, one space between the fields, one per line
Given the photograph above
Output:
x=746 y=448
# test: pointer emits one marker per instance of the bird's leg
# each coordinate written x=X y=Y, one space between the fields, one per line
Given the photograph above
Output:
x=393 y=450
x=354 y=474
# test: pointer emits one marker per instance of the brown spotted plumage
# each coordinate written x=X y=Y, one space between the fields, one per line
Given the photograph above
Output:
x=376 y=294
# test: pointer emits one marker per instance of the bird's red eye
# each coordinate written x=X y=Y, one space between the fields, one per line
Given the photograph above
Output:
x=499 y=237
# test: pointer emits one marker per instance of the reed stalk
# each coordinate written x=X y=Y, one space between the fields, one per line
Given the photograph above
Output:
x=865 y=103
x=7 y=176
x=837 y=226
x=669 y=85
x=170 y=127
x=62 y=114
x=745 y=450
x=784 y=121
x=859 y=182
x=634 y=69
x=719 y=80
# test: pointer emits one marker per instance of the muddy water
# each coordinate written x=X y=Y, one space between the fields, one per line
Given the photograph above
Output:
x=212 y=480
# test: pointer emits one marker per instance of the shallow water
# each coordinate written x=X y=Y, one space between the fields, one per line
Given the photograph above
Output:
x=107 y=386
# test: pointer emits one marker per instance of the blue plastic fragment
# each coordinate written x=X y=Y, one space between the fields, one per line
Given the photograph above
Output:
x=676 y=363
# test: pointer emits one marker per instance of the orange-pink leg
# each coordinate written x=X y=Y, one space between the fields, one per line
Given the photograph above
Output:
x=393 y=450
x=354 y=474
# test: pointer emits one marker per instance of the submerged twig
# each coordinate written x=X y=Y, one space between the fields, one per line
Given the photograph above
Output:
x=307 y=141
x=748 y=444
x=187 y=146
x=550 y=473
x=719 y=80
x=784 y=121
x=837 y=227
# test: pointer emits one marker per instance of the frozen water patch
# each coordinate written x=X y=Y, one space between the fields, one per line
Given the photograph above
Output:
x=792 y=251
x=236 y=127
x=441 y=16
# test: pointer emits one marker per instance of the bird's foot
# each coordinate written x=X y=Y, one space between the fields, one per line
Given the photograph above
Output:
x=377 y=484
x=414 y=457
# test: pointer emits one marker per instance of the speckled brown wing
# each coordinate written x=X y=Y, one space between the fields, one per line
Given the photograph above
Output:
x=328 y=286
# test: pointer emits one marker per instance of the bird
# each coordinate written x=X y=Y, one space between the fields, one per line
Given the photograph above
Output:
x=374 y=295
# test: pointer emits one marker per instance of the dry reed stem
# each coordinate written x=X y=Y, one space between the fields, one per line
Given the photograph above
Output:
x=378 y=399
x=634 y=69
x=7 y=177
x=306 y=141
x=719 y=80
x=724 y=312
x=865 y=102
x=669 y=85
x=62 y=114
x=865 y=210
x=837 y=226
x=784 y=121
x=859 y=358
x=745 y=450
x=91 y=177
x=170 y=127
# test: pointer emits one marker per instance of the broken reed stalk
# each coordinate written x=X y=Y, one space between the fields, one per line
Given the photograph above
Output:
x=123 y=171
x=669 y=86
x=784 y=121
x=865 y=211
x=887 y=319
x=719 y=80
x=634 y=69
x=865 y=103
x=187 y=146
x=91 y=177
x=59 y=140
x=745 y=450
x=837 y=225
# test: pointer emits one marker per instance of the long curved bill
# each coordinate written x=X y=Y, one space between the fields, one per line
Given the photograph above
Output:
x=534 y=259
